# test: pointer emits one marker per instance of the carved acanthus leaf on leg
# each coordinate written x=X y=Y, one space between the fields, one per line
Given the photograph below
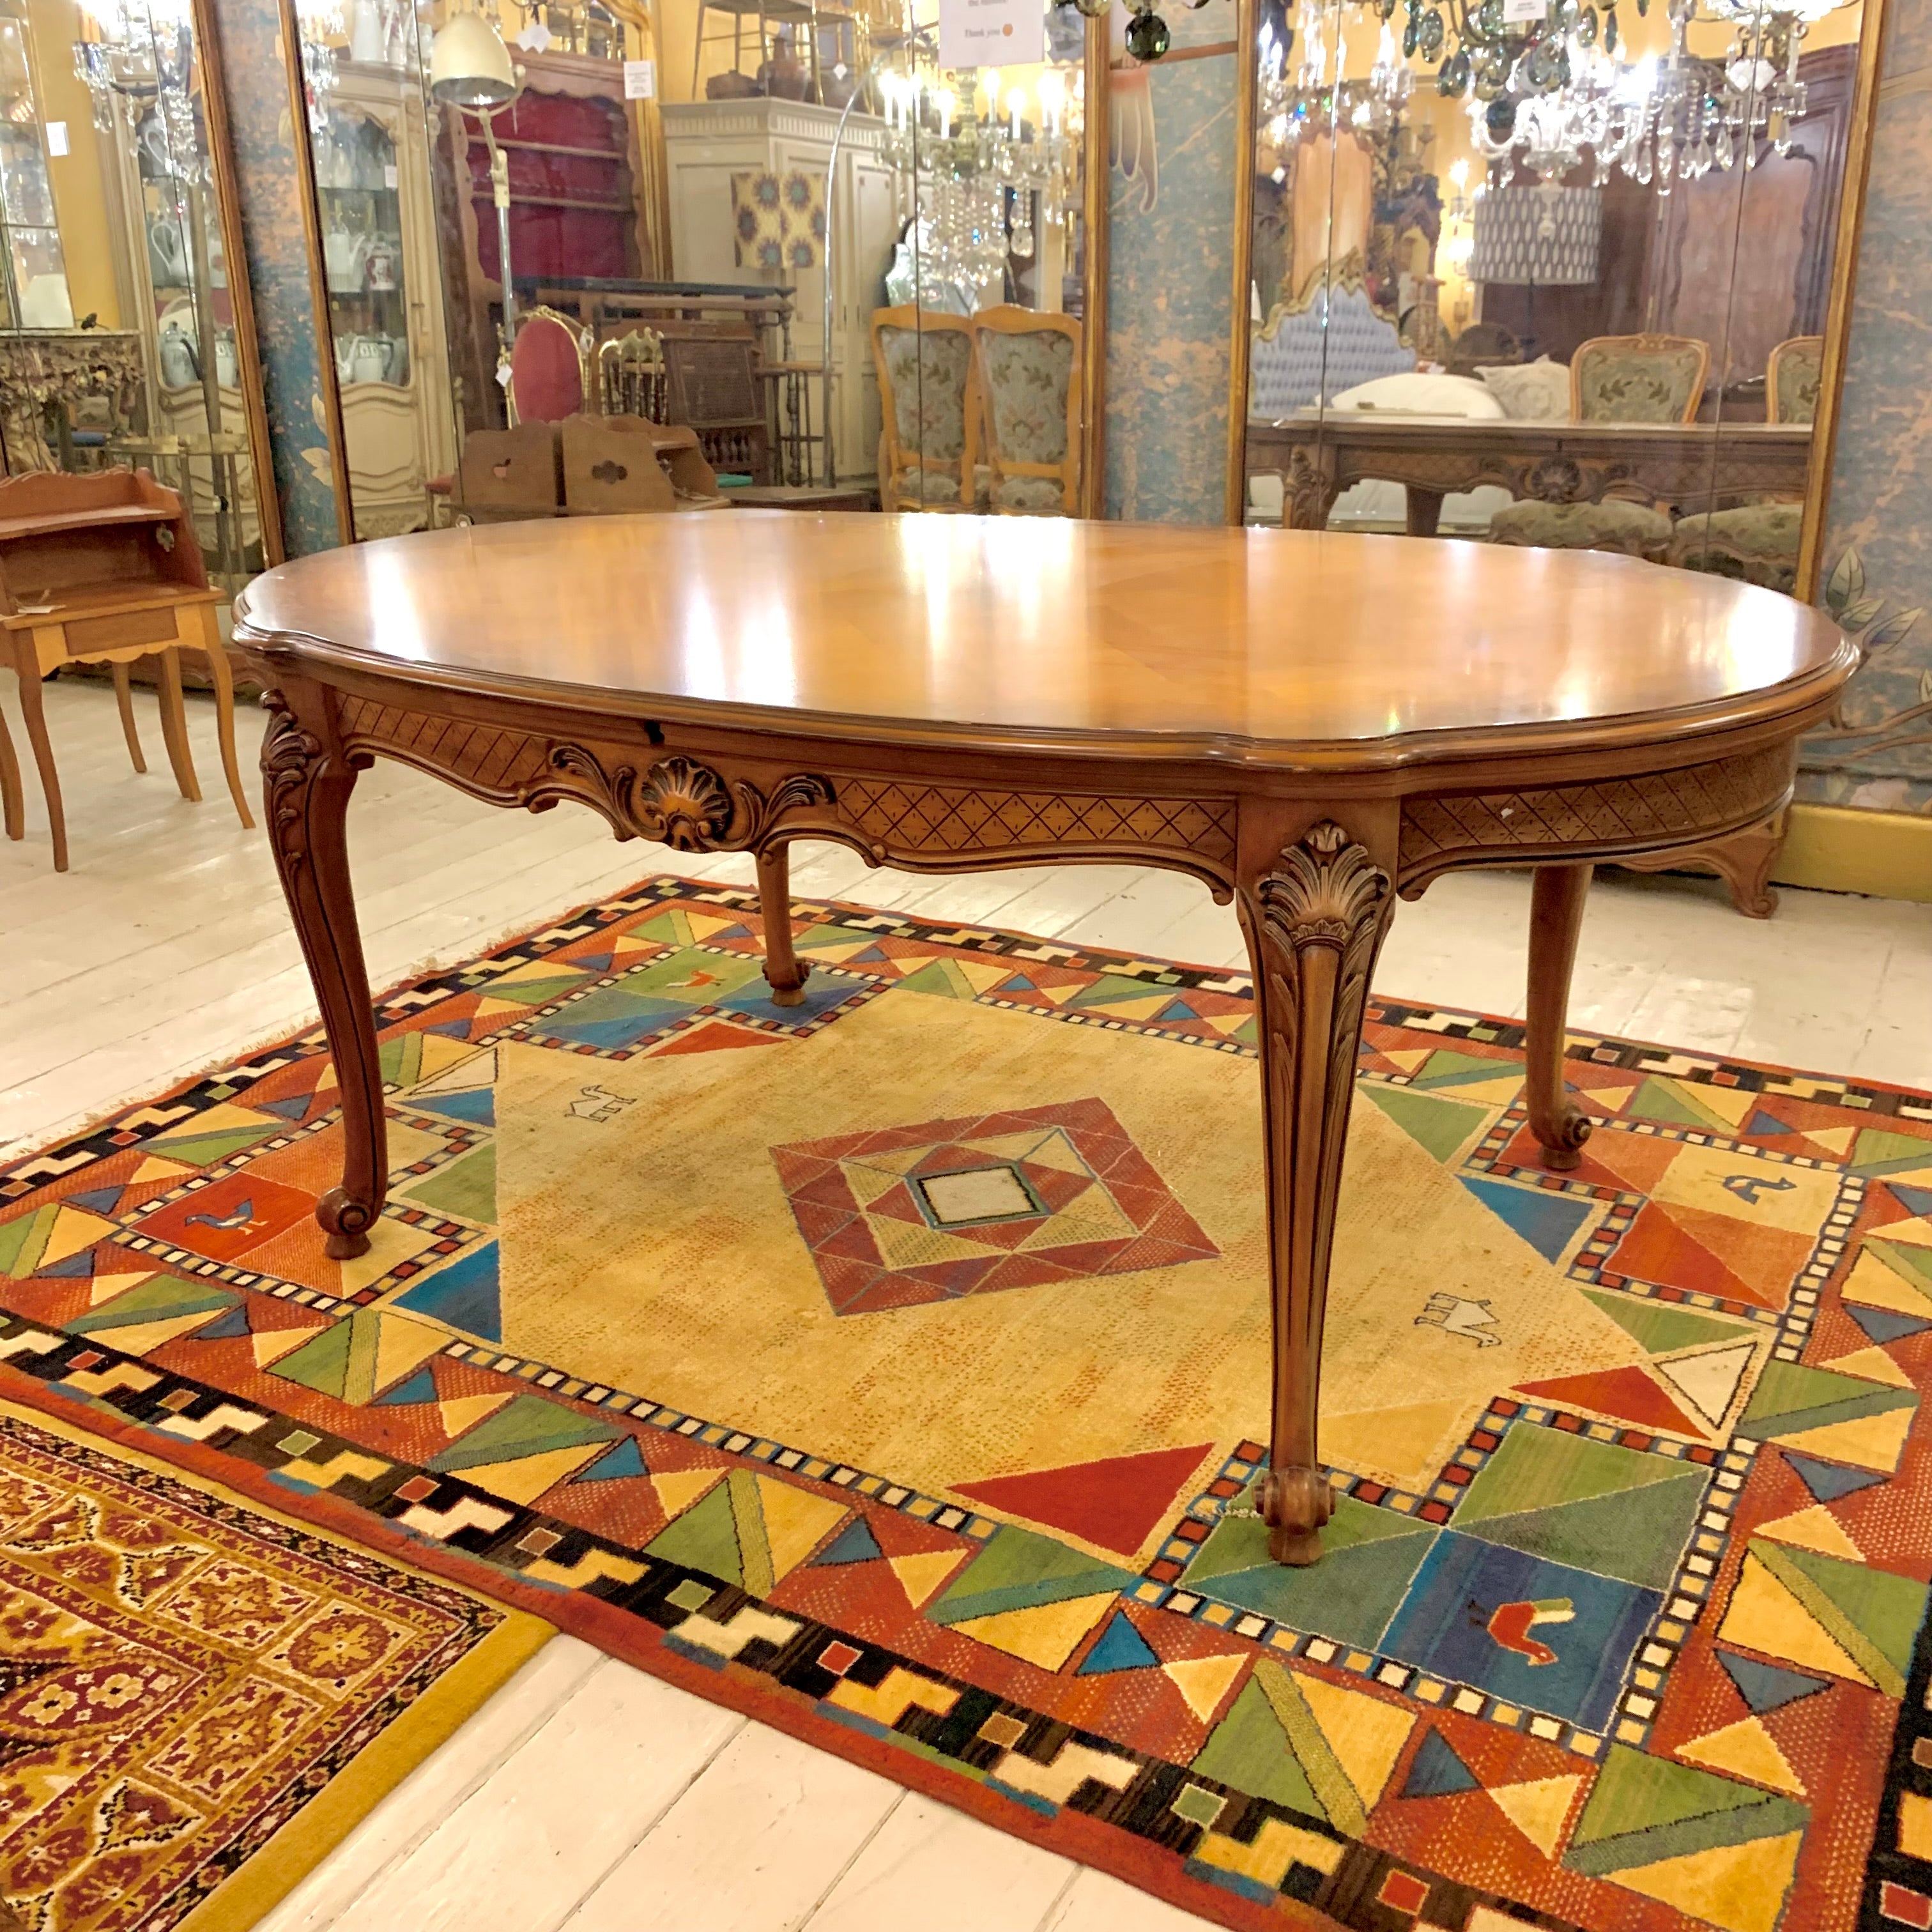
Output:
x=1316 y=922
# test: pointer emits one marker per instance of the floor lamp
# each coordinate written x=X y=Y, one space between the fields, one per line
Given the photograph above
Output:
x=470 y=70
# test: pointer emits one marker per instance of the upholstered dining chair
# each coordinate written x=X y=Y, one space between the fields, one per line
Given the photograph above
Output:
x=1626 y=378
x=1792 y=372
x=1028 y=366
x=931 y=440
x=550 y=368
x=1616 y=379
x=1757 y=542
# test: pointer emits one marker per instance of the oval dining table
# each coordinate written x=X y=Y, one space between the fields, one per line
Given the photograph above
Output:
x=1312 y=724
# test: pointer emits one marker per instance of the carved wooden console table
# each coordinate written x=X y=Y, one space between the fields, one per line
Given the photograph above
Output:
x=1310 y=724
x=1317 y=454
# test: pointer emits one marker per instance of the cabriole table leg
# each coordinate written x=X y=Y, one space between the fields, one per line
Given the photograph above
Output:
x=306 y=781
x=1556 y=918
x=783 y=973
x=1315 y=916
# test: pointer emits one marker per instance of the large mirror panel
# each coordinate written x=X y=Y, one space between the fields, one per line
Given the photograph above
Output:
x=1546 y=271
x=699 y=255
x=122 y=341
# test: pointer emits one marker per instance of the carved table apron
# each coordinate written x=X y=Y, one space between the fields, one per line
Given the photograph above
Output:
x=1319 y=455
x=1312 y=839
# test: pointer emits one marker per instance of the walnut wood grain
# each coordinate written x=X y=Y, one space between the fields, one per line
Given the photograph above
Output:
x=1658 y=810
x=1557 y=896
x=1309 y=723
x=1209 y=648
x=1742 y=860
x=1315 y=917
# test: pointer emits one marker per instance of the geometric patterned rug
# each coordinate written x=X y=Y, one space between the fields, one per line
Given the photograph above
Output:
x=890 y=1367
x=198 y=1700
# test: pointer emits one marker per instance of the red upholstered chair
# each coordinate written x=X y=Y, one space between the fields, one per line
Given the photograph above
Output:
x=549 y=370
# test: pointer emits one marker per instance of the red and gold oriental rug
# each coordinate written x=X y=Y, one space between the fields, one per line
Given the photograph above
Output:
x=198 y=1698
x=890 y=1367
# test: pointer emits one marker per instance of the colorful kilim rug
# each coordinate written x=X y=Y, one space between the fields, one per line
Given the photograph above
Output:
x=890 y=1366
x=198 y=1699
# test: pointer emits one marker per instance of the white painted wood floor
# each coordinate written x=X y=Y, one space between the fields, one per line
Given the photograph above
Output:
x=586 y=1796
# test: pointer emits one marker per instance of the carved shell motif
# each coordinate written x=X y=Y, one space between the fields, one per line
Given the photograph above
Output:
x=684 y=805
x=677 y=803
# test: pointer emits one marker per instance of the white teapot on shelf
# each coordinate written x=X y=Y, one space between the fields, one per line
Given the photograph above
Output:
x=180 y=365
x=372 y=359
x=344 y=253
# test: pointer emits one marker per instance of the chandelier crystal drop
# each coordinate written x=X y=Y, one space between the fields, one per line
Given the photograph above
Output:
x=141 y=51
x=1557 y=91
x=970 y=164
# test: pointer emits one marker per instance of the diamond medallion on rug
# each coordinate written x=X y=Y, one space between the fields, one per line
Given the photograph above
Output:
x=904 y=1382
x=970 y=1207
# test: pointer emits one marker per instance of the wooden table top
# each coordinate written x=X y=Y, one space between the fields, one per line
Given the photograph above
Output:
x=1258 y=647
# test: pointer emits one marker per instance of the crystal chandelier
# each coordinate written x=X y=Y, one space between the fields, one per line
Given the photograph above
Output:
x=1372 y=106
x=955 y=166
x=142 y=52
x=1549 y=91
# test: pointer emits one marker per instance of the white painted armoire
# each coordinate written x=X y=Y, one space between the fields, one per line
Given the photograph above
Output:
x=705 y=143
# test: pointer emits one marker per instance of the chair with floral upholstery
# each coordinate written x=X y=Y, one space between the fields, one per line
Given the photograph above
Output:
x=1793 y=374
x=1028 y=365
x=1616 y=379
x=932 y=407
x=1626 y=379
x=1757 y=542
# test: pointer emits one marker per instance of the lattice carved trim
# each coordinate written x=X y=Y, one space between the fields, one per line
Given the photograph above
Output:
x=918 y=819
x=495 y=763
x=674 y=801
x=1439 y=833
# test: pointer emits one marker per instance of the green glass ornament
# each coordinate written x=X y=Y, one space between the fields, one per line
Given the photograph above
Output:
x=1147 y=36
x=1500 y=118
x=1432 y=33
x=1611 y=36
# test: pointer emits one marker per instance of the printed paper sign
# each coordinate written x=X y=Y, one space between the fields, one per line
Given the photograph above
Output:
x=1518 y=11
x=992 y=33
x=640 y=80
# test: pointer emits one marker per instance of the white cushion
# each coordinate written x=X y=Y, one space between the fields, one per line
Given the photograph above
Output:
x=1420 y=395
x=1536 y=391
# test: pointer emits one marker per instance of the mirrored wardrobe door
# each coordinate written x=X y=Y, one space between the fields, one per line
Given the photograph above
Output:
x=369 y=130
x=1797 y=74
x=1591 y=225
x=982 y=350
x=127 y=342
x=1323 y=306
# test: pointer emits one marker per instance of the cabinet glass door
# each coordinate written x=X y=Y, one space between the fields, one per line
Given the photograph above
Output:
x=358 y=189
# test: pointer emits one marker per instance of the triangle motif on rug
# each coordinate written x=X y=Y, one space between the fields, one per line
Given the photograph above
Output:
x=1117 y=1503
x=1628 y=1394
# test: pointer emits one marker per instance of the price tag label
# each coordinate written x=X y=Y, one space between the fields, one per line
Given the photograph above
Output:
x=992 y=33
x=389 y=176
x=640 y=80
x=1521 y=12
